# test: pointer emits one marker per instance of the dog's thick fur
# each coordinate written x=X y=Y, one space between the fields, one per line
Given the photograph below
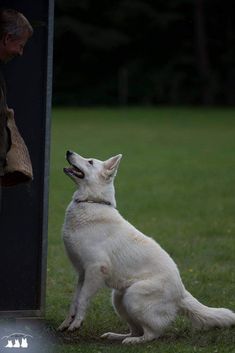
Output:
x=107 y=250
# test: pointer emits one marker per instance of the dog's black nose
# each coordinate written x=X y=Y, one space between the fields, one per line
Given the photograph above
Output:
x=69 y=153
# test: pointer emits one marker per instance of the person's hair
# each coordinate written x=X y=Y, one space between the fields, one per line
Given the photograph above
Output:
x=14 y=23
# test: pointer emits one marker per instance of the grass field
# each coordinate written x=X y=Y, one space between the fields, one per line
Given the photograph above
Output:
x=176 y=183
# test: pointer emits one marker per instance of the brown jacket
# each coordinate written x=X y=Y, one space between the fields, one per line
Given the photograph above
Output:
x=18 y=167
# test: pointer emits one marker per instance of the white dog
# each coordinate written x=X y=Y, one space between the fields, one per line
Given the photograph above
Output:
x=107 y=250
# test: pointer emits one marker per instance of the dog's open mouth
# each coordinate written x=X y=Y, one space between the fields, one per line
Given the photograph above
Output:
x=74 y=171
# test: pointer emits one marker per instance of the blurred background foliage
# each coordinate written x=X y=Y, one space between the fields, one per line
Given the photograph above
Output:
x=144 y=52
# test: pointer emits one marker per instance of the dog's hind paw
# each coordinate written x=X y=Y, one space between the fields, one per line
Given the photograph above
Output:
x=115 y=336
x=133 y=340
x=137 y=340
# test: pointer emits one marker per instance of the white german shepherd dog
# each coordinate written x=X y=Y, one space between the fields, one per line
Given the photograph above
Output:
x=107 y=250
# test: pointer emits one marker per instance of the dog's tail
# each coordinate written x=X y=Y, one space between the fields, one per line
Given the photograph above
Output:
x=202 y=316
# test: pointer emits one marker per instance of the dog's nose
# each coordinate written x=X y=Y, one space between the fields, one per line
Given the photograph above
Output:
x=69 y=153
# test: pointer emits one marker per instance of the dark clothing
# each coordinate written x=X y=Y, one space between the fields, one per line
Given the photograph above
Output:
x=4 y=131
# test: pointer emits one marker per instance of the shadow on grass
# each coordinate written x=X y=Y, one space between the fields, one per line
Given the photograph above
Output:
x=173 y=336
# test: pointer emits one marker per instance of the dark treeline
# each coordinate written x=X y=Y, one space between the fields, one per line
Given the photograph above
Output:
x=144 y=52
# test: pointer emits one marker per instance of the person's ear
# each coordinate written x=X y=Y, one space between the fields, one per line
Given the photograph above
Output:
x=6 y=38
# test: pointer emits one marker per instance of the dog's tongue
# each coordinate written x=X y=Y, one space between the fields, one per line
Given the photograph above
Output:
x=74 y=171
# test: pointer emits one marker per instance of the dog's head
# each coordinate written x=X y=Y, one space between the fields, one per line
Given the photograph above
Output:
x=93 y=177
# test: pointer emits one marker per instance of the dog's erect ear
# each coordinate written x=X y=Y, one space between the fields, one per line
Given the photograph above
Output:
x=111 y=166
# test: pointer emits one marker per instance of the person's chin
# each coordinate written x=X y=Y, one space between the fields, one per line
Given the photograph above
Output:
x=9 y=58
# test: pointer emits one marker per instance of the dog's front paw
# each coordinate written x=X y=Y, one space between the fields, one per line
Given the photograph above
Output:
x=75 y=325
x=65 y=324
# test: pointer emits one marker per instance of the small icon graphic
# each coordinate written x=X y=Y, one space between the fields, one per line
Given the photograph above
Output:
x=17 y=340
x=9 y=344
x=24 y=343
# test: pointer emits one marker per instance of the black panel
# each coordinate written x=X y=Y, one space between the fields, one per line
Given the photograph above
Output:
x=23 y=216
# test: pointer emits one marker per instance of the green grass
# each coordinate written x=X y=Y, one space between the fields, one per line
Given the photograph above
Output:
x=176 y=184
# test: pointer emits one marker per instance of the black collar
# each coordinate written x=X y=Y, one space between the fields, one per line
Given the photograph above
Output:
x=91 y=201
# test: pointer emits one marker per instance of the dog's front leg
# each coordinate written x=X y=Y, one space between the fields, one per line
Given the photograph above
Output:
x=73 y=307
x=93 y=281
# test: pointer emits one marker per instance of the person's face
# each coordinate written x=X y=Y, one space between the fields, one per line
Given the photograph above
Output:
x=14 y=46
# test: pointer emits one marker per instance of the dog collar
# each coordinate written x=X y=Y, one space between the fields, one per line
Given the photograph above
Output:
x=91 y=201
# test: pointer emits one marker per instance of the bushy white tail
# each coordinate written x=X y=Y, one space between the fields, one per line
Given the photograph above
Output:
x=202 y=316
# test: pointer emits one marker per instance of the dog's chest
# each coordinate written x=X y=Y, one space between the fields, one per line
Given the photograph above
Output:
x=72 y=233
x=75 y=218
x=71 y=222
x=72 y=227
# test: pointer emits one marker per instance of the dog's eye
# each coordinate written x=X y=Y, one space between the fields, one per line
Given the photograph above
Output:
x=90 y=162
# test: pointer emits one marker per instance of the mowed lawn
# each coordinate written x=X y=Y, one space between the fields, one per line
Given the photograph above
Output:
x=176 y=183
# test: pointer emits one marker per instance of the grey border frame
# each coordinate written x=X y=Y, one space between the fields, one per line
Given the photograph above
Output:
x=40 y=313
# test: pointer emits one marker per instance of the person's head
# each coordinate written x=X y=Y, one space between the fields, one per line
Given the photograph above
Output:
x=15 y=30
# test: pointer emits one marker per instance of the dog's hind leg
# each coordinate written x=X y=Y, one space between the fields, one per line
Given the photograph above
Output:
x=149 y=304
x=135 y=329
